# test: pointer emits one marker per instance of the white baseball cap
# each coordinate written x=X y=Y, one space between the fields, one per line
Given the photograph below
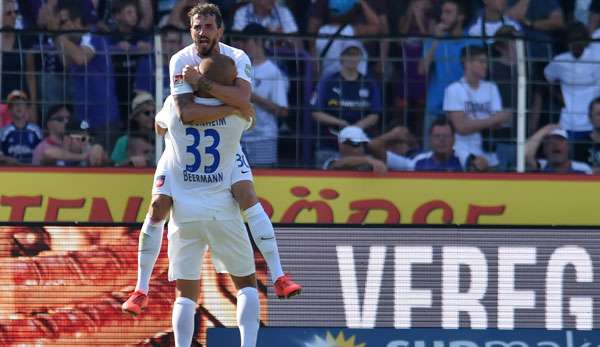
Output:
x=353 y=134
x=559 y=132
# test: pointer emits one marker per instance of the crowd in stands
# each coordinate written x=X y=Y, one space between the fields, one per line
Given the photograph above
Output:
x=373 y=85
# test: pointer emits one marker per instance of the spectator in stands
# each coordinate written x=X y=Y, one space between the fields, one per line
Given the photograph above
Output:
x=128 y=45
x=132 y=148
x=352 y=155
x=91 y=72
x=539 y=20
x=146 y=68
x=345 y=98
x=593 y=21
x=556 y=152
x=588 y=150
x=18 y=139
x=269 y=96
x=178 y=15
x=474 y=106
x=442 y=157
x=579 y=81
x=409 y=94
x=347 y=18
x=14 y=46
x=503 y=71
x=68 y=142
x=276 y=18
x=441 y=62
x=491 y=19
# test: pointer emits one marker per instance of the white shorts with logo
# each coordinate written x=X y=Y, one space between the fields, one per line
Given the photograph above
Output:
x=162 y=184
x=227 y=240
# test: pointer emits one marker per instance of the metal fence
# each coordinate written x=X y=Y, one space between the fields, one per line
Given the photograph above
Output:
x=101 y=90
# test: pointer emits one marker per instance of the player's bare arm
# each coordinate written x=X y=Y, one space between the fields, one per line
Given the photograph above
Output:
x=237 y=95
x=191 y=112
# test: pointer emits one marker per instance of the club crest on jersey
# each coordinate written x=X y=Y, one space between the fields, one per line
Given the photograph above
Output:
x=160 y=181
x=178 y=80
x=248 y=70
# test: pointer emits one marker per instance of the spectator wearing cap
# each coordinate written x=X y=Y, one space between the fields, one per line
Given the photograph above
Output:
x=19 y=138
x=90 y=68
x=352 y=155
x=275 y=17
x=578 y=80
x=269 y=95
x=344 y=98
x=146 y=68
x=555 y=150
x=136 y=147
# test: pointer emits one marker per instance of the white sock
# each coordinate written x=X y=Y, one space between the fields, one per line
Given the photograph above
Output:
x=183 y=321
x=148 y=249
x=248 y=309
x=263 y=234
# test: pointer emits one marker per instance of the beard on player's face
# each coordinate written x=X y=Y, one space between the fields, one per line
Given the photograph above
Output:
x=205 y=45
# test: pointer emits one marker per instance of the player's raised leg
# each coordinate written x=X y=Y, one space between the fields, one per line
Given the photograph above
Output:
x=263 y=234
x=149 y=245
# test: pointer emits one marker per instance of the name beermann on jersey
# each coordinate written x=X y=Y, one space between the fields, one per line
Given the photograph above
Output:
x=203 y=178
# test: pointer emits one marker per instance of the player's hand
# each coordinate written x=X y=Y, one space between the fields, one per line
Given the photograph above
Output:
x=191 y=75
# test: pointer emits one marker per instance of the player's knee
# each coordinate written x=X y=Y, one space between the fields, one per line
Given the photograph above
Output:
x=159 y=207
x=244 y=194
x=244 y=281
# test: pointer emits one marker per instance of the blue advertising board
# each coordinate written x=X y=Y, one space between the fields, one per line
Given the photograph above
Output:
x=417 y=337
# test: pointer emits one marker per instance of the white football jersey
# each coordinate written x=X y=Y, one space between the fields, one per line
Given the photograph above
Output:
x=201 y=160
x=189 y=56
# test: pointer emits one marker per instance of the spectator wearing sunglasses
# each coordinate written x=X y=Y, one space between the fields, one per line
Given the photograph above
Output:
x=20 y=137
x=136 y=147
x=352 y=144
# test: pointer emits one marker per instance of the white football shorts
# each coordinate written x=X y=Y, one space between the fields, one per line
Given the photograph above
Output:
x=227 y=240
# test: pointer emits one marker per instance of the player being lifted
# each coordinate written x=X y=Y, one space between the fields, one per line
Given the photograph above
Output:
x=207 y=30
x=199 y=168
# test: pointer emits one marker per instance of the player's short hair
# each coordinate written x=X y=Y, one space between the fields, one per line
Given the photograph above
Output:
x=219 y=68
x=207 y=10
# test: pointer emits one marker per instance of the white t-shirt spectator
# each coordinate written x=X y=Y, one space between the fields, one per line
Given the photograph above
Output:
x=477 y=103
x=331 y=61
x=579 y=82
x=280 y=18
x=270 y=83
x=490 y=28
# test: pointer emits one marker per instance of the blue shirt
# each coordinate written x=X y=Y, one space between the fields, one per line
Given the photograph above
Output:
x=145 y=76
x=446 y=68
x=427 y=162
x=347 y=100
x=20 y=143
x=94 y=86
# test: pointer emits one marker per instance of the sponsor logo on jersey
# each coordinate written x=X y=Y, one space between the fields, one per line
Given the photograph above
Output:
x=160 y=181
x=177 y=80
